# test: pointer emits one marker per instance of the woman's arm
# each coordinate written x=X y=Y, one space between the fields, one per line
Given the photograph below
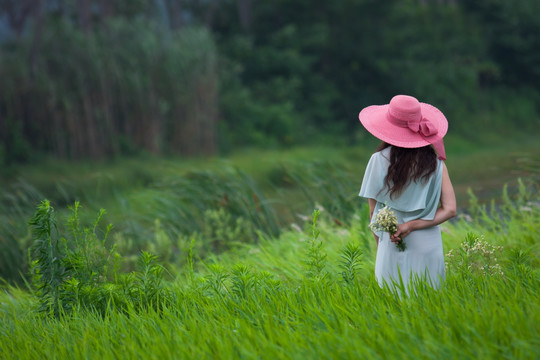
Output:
x=372 y=203
x=446 y=211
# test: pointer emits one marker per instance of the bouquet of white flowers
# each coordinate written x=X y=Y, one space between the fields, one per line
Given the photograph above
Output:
x=385 y=220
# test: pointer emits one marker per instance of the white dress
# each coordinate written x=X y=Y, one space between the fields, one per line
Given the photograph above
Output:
x=423 y=257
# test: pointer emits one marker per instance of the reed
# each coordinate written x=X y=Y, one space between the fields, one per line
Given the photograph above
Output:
x=126 y=87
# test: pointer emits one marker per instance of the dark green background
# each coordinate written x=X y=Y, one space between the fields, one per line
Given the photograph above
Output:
x=102 y=78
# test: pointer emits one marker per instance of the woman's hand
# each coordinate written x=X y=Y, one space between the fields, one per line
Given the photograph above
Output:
x=402 y=231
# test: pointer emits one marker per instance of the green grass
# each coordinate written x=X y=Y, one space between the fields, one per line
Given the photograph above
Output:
x=265 y=301
x=277 y=296
x=267 y=188
x=483 y=164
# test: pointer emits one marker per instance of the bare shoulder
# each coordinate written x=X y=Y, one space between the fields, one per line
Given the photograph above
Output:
x=444 y=168
x=445 y=175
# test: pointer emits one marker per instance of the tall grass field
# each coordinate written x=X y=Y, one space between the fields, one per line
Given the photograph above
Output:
x=307 y=292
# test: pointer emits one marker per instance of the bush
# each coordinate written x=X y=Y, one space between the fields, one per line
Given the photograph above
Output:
x=77 y=270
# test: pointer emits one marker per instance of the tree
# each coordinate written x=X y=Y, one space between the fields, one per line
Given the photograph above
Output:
x=18 y=13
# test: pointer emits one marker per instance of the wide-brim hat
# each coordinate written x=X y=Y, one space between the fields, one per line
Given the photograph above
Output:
x=406 y=122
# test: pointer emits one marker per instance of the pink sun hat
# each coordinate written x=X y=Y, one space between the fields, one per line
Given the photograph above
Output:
x=407 y=123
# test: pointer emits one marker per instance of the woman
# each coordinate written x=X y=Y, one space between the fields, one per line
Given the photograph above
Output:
x=406 y=175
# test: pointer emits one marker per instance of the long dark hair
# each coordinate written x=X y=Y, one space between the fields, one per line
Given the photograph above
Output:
x=408 y=165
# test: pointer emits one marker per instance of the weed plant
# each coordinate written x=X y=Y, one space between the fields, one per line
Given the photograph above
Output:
x=77 y=270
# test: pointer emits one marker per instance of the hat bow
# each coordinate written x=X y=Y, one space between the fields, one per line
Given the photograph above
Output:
x=424 y=127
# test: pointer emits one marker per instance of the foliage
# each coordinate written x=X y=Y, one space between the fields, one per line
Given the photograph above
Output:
x=99 y=79
x=17 y=205
x=62 y=268
x=78 y=271
x=476 y=256
x=350 y=262
x=325 y=63
x=124 y=87
x=521 y=208
x=316 y=259
x=161 y=205
x=48 y=268
x=221 y=231
x=260 y=303
x=323 y=184
x=220 y=209
x=511 y=33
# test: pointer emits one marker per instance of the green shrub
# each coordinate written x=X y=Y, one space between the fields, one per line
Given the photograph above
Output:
x=66 y=268
x=78 y=270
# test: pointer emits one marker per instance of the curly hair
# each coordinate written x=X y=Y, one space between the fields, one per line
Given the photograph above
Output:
x=406 y=165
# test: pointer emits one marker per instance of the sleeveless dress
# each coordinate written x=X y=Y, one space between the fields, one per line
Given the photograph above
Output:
x=423 y=256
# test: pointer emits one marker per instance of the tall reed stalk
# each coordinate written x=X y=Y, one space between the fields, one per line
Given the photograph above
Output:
x=121 y=88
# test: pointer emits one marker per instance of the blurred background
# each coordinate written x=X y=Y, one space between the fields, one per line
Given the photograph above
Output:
x=191 y=119
x=102 y=78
